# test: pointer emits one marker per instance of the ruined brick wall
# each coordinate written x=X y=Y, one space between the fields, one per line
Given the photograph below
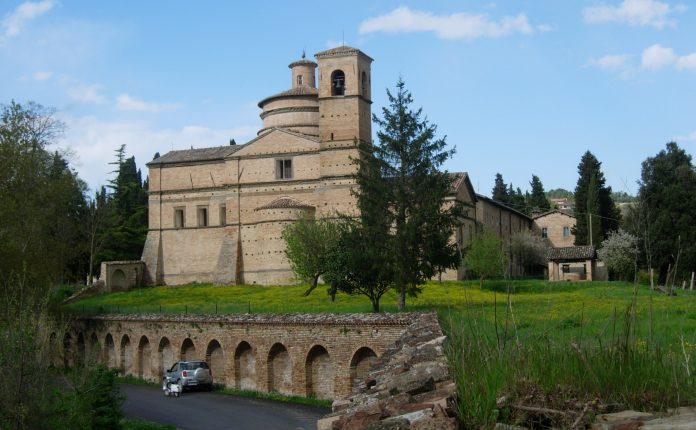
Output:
x=301 y=354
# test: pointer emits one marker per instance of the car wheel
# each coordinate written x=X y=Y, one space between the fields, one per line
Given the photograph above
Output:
x=166 y=387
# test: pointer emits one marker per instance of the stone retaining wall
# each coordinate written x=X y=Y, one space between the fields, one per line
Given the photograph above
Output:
x=296 y=354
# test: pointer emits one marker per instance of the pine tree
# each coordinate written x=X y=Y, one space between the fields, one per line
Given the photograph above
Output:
x=500 y=190
x=537 y=200
x=607 y=214
x=401 y=186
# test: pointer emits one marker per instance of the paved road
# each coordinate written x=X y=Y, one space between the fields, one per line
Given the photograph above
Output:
x=201 y=411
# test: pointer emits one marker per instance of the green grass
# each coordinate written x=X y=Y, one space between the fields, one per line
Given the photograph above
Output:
x=558 y=345
x=128 y=424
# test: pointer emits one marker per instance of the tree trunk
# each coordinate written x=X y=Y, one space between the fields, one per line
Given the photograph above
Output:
x=312 y=286
x=402 y=296
x=375 y=305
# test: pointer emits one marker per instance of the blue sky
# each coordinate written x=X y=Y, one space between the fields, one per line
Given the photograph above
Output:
x=519 y=87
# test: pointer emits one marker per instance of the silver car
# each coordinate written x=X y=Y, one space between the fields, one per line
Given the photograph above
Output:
x=187 y=375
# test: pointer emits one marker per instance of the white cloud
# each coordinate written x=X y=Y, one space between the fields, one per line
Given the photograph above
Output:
x=93 y=142
x=332 y=43
x=126 y=102
x=13 y=22
x=87 y=93
x=656 y=57
x=43 y=76
x=687 y=62
x=634 y=12
x=691 y=137
x=610 y=62
x=544 y=28
x=454 y=26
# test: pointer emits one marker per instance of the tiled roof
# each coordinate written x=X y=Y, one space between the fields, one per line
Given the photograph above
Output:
x=502 y=205
x=339 y=51
x=585 y=252
x=198 y=154
x=553 y=211
x=302 y=63
x=284 y=202
x=297 y=91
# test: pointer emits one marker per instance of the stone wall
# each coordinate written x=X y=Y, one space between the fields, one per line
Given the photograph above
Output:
x=299 y=354
x=121 y=275
x=408 y=388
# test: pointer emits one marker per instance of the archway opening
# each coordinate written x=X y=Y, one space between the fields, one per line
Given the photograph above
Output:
x=279 y=369
x=319 y=373
x=110 y=348
x=188 y=350
x=118 y=280
x=143 y=363
x=165 y=355
x=360 y=364
x=244 y=367
x=216 y=360
x=94 y=349
x=81 y=354
x=126 y=355
x=67 y=350
x=338 y=83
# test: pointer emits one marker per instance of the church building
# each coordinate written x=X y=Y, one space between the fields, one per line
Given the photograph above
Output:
x=217 y=214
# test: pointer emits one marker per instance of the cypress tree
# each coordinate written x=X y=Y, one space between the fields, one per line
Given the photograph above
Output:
x=537 y=200
x=500 y=190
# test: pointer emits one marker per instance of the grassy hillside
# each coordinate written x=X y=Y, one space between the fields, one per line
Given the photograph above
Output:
x=574 y=347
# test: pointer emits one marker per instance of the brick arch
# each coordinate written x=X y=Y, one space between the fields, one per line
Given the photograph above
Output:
x=126 y=355
x=188 y=350
x=165 y=355
x=279 y=369
x=319 y=374
x=144 y=359
x=81 y=352
x=95 y=353
x=215 y=357
x=68 y=355
x=244 y=367
x=110 y=351
x=52 y=348
x=360 y=364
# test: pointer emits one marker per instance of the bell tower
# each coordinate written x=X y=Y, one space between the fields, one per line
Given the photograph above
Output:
x=345 y=97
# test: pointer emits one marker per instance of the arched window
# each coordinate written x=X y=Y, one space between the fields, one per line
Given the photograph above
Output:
x=338 y=83
x=363 y=83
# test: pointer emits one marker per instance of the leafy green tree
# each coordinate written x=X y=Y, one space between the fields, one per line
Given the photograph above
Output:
x=42 y=202
x=402 y=172
x=667 y=205
x=537 y=200
x=529 y=250
x=605 y=215
x=485 y=256
x=619 y=252
x=362 y=261
x=309 y=244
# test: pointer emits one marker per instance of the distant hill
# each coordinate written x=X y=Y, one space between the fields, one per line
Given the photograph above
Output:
x=560 y=193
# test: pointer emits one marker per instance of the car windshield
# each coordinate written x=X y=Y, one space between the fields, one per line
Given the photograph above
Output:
x=194 y=365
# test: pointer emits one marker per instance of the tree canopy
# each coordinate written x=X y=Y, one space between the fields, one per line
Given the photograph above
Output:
x=667 y=202
x=593 y=204
x=402 y=193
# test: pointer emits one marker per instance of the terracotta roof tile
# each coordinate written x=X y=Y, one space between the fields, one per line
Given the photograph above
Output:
x=197 y=154
x=340 y=51
x=585 y=252
x=297 y=91
x=284 y=202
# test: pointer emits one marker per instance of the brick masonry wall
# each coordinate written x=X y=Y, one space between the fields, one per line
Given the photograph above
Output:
x=298 y=354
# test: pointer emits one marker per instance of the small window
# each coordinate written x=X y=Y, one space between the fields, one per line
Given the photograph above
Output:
x=544 y=232
x=223 y=215
x=566 y=231
x=566 y=268
x=299 y=79
x=364 y=83
x=179 y=217
x=202 y=216
x=283 y=169
x=338 y=83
